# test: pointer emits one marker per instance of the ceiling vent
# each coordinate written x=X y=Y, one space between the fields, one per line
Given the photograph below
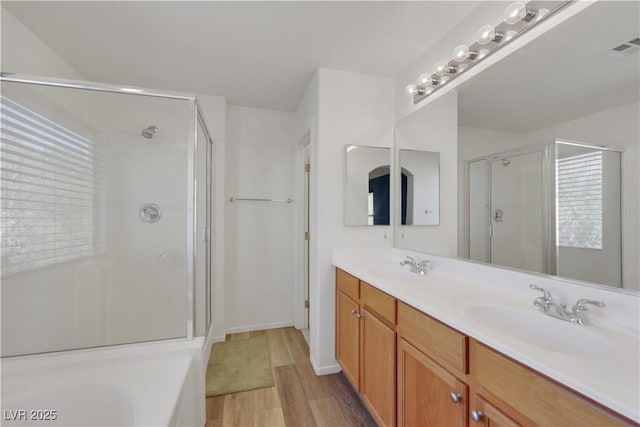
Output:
x=626 y=48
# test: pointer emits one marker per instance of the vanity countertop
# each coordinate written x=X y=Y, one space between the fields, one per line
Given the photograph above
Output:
x=494 y=306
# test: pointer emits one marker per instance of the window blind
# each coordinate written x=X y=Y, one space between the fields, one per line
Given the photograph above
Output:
x=51 y=191
x=579 y=200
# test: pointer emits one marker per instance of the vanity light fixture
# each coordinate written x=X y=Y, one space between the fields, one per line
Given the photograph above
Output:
x=488 y=34
x=518 y=11
x=462 y=52
x=518 y=18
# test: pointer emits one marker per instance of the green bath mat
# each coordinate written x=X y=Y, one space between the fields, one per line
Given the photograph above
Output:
x=239 y=366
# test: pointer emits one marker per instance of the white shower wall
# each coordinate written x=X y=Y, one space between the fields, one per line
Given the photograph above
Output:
x=147 y=263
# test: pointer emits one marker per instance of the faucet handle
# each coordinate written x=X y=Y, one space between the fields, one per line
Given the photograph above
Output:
x=547 y=294
x=581 y=305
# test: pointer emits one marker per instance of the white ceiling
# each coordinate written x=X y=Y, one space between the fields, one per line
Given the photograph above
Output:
x=261 y=54
x=561 y=76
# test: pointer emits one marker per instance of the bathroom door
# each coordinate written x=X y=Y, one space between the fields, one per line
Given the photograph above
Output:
x=517 y=212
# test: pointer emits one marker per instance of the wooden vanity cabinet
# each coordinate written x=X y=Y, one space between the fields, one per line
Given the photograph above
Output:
x=428 y=395
x=488 y=415
x=509 y=393
x=366 y=344
x=437 y=376
x=432 y=363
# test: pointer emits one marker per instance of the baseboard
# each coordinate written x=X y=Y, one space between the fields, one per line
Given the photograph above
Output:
x=258 y=327
x=325 y=370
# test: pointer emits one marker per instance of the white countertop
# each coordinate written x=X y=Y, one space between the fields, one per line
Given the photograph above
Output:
x=494 y=306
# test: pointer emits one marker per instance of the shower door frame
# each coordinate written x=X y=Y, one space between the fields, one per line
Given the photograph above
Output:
x=195 y=117
x=548 y=199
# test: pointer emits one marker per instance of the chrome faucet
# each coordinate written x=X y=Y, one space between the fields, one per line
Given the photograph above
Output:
x=579 y=313
x=418 y=267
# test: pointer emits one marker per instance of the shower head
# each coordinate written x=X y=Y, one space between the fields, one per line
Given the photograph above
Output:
x=149 y=131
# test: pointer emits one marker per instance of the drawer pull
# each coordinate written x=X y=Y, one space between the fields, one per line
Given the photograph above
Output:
x=477 y=416
x=455 y=397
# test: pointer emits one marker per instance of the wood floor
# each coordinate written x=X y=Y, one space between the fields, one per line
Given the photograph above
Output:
x=299 y=398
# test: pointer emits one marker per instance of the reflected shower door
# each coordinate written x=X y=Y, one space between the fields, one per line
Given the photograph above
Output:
x=517 y=212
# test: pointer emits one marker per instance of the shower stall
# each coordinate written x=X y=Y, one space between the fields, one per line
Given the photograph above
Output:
x=554 y=209
x=106 y=216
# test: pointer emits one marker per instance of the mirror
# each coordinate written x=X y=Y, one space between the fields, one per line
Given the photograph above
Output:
x=543 y=182
x=367 y=187
x=526 y=123
x=419 y=177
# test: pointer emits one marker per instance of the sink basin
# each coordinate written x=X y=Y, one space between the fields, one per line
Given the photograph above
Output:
x=536 y=328
x=395 y=272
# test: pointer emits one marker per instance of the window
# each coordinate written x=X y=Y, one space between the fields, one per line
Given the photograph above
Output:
x=51 y=177
x=579 y=200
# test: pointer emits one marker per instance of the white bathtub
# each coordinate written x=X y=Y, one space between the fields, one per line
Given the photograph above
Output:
x=156 y=384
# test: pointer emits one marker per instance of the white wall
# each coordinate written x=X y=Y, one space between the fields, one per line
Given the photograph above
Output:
x=353 y=109
x=24 y=53
x=259 y=235
x=434 y=128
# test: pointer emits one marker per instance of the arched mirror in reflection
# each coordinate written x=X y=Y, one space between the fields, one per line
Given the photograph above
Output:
x=419 y=187
x=367 y=186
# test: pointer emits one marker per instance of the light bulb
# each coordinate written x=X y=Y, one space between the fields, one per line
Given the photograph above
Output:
x=428 y=90
x=487 y=34
x=443 y=80
x=425 y=80
x=442 y=68
x=517 y=11
x=460 y=53
x=411 y=89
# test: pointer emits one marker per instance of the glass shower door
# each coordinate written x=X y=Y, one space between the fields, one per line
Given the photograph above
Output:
x=517 y=212
x=96 y=212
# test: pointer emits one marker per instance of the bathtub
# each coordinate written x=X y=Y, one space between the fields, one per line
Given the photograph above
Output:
x=156 y=384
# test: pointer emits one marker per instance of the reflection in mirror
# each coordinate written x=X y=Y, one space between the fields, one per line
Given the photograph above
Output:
x=533 y=201
x=516 y=221
x=419 y=187
x=367 y=187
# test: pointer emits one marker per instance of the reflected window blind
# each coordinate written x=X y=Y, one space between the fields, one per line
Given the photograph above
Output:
x=51 y=192
x=579 y=200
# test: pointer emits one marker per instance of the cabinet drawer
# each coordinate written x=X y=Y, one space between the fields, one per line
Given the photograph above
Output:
x=379 y=302
x=538 y=398
x=348 y=284
x=444 y=344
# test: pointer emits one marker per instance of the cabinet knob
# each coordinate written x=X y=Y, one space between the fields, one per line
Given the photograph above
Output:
x=353 y=311
x=455 y=397
x=359 y=316
x=477 y=416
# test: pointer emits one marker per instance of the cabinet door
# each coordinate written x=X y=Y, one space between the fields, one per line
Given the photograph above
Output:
x=378 y=368
x=428 y=395
x=348 y=338
x=488 y=415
